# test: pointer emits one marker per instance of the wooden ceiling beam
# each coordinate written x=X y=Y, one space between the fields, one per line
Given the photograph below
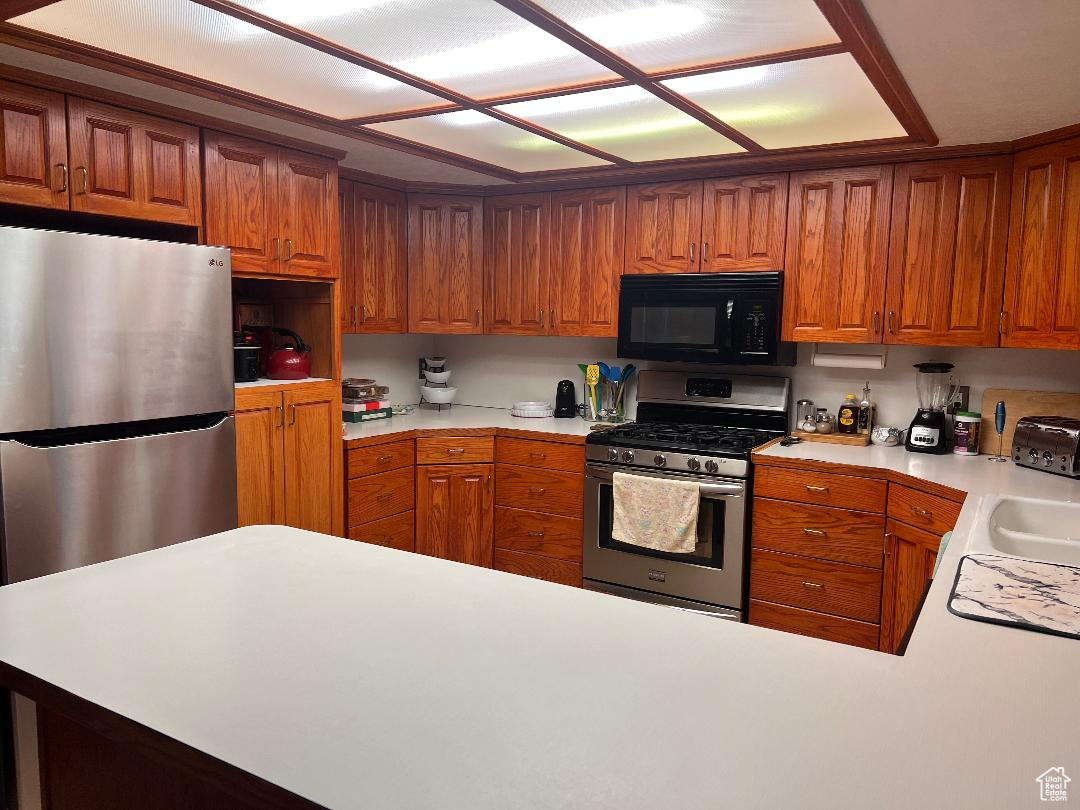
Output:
x=856 y=30
x=16 y=8
x=546 y=21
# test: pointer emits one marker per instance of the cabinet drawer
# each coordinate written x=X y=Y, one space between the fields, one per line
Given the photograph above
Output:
x=396 y=531
x=381 y=458
x=826 y=587
x=537 y=567
x=820 y=488
x=537 y=533
x=816 y=625
x=466 y=450
x=819 y=531
x=546 y=455
x=928 y=512
x=381 y=495
x=551 y=491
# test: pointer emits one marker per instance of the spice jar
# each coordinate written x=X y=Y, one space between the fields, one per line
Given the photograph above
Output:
x=825 y=422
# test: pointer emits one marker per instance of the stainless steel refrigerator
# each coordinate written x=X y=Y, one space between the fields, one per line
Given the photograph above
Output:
x=115 y=390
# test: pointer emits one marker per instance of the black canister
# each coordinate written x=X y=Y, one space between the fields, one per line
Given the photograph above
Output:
x=565 y=400
x=246 y=353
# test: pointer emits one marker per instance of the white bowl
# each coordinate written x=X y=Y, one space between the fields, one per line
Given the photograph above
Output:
x=435 y=363
x=437 y=376
x=441 y=396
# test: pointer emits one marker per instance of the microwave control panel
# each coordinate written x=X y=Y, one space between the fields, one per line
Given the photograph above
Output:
x=756 y=332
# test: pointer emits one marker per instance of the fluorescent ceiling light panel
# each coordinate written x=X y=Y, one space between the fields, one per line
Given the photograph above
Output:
x=490 y=140
x=200 y=42
x=475 y=47
x=628 y=122
x=668 y=34
x=809 y=102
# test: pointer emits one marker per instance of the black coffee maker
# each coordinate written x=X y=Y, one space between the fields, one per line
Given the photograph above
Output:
x=565 y=400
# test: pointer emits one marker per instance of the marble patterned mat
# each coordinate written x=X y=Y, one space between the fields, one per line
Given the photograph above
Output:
x=1033 y=595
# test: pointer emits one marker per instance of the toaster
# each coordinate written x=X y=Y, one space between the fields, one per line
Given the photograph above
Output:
x=1049 y=443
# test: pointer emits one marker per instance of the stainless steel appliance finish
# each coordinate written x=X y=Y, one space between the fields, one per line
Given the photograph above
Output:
x=100 y=329
x=88 y=502
x=1048 y=443
x=688 y=605
x=116 y=381
x=691 y=427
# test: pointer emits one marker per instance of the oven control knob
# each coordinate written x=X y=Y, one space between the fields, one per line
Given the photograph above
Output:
x=711 y=466
x=612 y=454
x=1033 y=454
x=693 y=464
x=660 y=459
x=627 y=455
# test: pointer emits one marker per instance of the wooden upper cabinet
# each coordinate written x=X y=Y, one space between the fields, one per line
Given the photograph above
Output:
x=516 y=240
x=308 y=210
x=455 y=512
x=837 y=243
x=127 y=164
x=1042 y=284
x=586 y=261
x=33 y=147
x=947 y=252
x=375 y=276
x=446 y=268
x=743 y=223
x=347 y=312
x=242 y=200
x=663 y=227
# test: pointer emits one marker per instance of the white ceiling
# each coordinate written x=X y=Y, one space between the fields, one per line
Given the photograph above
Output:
x=986 y=70
x=982 y=70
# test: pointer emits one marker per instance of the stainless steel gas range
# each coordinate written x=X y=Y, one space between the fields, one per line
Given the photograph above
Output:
x=692 y=427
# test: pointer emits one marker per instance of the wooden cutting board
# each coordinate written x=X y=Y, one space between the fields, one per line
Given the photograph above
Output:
x=1019 y=404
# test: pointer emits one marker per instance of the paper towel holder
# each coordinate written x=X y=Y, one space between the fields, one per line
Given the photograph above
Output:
x=874 y=361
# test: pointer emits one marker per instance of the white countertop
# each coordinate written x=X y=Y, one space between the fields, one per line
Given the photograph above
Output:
x=465 y=416
x=440 y=685
x=264 y=381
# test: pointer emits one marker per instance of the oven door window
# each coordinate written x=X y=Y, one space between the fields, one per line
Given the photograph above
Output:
x=710 y=546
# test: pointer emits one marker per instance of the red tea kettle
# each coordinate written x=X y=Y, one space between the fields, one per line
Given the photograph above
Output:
x=289 y=362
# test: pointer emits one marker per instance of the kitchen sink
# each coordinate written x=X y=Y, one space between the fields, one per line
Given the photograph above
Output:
x=1036 y=529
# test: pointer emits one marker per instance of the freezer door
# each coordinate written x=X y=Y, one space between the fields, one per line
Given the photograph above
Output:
x=79 y=504
x=103 y=329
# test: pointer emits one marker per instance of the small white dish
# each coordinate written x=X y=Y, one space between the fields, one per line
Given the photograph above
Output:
x=535 y=410
x=437 y=376
x=435 y=363
x=440 y=396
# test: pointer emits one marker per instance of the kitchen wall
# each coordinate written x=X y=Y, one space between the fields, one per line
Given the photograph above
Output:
x=495 y=370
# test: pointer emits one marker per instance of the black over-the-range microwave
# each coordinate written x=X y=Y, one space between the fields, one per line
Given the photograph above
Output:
x=723 y=318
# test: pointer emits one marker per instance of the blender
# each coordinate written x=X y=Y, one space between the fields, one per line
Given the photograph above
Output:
x=936 y=388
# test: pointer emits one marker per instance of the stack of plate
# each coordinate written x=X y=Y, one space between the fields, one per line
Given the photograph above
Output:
x=532 y=409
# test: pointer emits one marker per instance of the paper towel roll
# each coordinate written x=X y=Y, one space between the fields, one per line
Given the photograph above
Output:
x=870 y=361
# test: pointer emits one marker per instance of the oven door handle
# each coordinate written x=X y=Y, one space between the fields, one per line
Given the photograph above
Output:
x=707 y=489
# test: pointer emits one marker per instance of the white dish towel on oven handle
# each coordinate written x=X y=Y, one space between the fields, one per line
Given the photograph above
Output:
x=655 y=513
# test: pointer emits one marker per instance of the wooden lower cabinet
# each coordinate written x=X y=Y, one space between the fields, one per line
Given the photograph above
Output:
x=538 y=567
x=288 y=457
x=396 y=531
x=850 y=591
x=381 y=494
x=814 y=624
x=910 y=557
x=454 y=517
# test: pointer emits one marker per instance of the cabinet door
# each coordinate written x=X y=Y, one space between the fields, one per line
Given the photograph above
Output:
x=446 y=268
x=242 y=201
x=837 y=243
x=308 y=206
x=663 y=227
x=455 y=512
x=33 y=147
x=132 y=165
x=1042 y=284
x=516 y=264
x=947 y=252
x=348 y=314
x=586 y=261
x=377 y=262
x=260 y=457
x=910 y=555
x=743 y=222
x=313 y=460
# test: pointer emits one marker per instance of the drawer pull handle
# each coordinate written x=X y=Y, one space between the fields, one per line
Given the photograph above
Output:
x=534 y=534
x=384 y=497
x=815 y=532
x=384 y=459
x=538 y=455
x=811 y=488
x=925 y=513
x=455 y=451
x=537 y=490
x=816 y=586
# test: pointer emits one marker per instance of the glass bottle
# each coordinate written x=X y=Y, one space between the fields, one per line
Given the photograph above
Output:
x=847 y=417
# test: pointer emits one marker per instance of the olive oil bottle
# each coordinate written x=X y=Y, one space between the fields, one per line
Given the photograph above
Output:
x=866 y=411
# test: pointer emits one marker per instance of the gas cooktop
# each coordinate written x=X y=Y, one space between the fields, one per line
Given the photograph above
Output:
x=708 y=439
